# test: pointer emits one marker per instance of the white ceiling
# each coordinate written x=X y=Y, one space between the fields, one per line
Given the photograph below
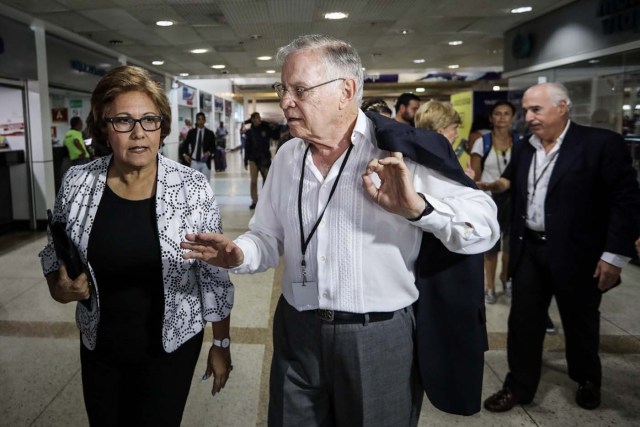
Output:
x=225 y=27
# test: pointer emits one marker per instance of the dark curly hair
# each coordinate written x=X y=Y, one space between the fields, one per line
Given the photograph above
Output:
x=119 y=80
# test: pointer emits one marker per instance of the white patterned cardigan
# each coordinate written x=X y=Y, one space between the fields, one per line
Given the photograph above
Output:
x=194 y=292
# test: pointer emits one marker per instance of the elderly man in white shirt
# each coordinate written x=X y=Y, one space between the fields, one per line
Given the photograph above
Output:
x=350 y=230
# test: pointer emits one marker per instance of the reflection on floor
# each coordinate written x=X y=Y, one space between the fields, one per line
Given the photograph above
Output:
x=40 y=369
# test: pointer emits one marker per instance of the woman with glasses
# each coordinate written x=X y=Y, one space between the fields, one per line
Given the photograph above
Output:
x=490 y=156
x=144 y=307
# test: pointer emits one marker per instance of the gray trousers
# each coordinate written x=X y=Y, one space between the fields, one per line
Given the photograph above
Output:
x=325 y=374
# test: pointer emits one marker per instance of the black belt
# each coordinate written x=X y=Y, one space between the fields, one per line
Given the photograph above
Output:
x=345 y=317
x=537 y=236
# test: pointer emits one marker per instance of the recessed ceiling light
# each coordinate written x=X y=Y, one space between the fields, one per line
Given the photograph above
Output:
x=594 y=61
x=405 y=31
x=157 y=62
x=496 y=88
x=218 y=66
x=455 y=43
x=198 y=50
x=270 y=71
x=419 y=61
x=264 y=58
x=184 y=74
x=420 y=89
x=523 y=9
x=336 y=15
x=454 y=66
x=166 y=23
x=364 y=69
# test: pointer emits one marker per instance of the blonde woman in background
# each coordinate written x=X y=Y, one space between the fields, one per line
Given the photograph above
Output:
x=442 y=118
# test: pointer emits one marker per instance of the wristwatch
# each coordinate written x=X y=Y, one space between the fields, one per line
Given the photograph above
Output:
x=222 y=343
x=427 y=209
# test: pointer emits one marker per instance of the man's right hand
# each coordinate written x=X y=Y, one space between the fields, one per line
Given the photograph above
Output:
x=214 y=249
x=64 y=290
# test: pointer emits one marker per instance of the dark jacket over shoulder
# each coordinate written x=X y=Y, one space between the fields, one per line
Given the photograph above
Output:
x=451 y=335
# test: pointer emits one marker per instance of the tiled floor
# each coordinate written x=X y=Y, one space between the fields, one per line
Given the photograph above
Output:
x=39 y=358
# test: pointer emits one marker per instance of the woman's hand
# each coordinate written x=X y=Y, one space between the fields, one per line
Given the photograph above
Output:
x=64 y=290
x=218 y=364
x=214 y=249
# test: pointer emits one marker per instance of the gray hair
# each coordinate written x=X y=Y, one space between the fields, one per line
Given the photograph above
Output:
x=558 y=93
x=339 y=58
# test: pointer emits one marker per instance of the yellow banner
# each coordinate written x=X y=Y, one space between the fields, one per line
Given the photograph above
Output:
x=463 y=104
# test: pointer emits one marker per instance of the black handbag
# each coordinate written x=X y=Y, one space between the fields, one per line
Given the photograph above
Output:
x=66 y=251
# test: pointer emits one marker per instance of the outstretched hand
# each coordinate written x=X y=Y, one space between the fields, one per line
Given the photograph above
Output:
x=214 y=249
x=396 y=193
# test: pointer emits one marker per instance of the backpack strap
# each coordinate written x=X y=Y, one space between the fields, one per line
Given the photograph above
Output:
x=486 y=148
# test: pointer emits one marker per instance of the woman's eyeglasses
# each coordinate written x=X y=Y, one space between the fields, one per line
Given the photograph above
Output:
x=126 y=124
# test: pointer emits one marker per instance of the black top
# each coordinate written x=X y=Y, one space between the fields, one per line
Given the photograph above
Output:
x=124 y=252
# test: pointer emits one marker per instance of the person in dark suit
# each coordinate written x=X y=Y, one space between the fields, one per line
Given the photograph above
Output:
x=575 y=199
x=198 y=146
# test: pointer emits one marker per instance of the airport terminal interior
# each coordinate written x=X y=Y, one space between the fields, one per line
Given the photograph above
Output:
x=593 y=49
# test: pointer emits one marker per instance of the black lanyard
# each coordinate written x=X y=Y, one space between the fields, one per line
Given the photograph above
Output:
x=304 y=243
x=535 y=167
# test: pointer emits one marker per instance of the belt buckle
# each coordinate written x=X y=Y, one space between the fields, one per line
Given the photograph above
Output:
x=325 y=314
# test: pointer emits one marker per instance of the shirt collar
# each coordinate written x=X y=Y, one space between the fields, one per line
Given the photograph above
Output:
x=363 y=128
x=534 y=140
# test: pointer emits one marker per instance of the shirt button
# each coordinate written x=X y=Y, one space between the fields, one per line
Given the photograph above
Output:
x=325 y=294
x=322 y=258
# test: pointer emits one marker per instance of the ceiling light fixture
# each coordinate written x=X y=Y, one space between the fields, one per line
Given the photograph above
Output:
x=454 y=66
x=496 y=88
x=336 y=15
x=166 y=23
x=523 y=9
x=264 y=58
x=420 y=89
x=270 y=71
x=405 y=31
x=218 y=66
x=198 y=50
x=419 y=61
x=184 y=74
x=594 y=61
x=157 y=62
x=455 y=43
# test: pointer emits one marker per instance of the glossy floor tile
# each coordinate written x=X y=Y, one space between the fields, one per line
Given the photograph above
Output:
x=40 y=382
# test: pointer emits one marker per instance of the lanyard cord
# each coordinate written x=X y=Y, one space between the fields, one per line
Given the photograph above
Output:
x=504 y=158
x=304 y=243
x=535 y=167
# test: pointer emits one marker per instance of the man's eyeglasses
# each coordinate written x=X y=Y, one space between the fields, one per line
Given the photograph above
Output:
x=298 y=92
x=126 y=124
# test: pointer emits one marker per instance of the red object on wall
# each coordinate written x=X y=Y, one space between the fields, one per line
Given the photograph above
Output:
x=59 y=115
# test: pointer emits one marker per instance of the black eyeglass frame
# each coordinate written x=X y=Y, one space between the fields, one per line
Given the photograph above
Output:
x=281 y=89
x=132 y=122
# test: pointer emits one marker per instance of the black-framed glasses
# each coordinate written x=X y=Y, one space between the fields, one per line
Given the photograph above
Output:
x=298 y=92
x=126 y=124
